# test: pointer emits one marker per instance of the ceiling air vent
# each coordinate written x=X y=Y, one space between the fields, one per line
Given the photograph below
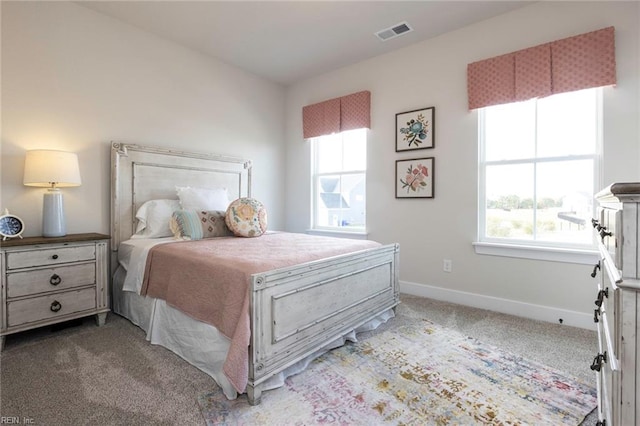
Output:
x=395 y=31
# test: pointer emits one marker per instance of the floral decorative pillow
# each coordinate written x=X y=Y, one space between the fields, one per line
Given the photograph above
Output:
x=247 y=217
x=196 y=225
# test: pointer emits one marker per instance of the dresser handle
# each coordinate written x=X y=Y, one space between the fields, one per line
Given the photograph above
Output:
x=55 y=279
x=55 y=306
x=595 y=270
x=604 y=233
x=598 y=360
x=601 y=295
x=54 y=257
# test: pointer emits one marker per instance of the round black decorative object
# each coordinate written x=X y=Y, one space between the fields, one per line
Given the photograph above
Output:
x=56 y=306
x=55 y=279
x=11 y=226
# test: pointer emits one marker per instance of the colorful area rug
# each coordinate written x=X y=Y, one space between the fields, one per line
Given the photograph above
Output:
x=418 y=374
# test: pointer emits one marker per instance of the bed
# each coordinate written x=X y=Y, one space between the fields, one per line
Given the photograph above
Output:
x=293 y=312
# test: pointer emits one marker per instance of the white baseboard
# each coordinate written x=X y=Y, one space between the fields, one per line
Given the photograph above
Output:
x=506 y=306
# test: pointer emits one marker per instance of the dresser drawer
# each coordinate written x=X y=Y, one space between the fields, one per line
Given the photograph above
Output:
x=605 y=390
x=609 y=235
x=50 y=306
x=50 y=256
x=606 y=367
x=50 y=279
x=607 y=345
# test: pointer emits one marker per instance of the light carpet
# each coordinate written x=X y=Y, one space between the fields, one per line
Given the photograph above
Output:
x=421 y=374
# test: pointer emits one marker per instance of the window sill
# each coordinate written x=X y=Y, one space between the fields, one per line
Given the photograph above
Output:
x=551 y=254
x=338 y=234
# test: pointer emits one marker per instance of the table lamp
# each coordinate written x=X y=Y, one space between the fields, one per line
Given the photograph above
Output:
x=53 y=170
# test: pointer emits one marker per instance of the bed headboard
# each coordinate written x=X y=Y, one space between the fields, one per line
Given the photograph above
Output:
x=142 y=173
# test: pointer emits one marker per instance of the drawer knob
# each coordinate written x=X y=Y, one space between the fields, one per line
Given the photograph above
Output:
x=55 y=306
x=595 y=270
x=55 y=279
x=54 y=257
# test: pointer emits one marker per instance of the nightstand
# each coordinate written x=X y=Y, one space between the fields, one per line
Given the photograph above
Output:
x=49 y=280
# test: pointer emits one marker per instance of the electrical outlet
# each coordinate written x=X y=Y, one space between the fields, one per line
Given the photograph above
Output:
x=447 y=265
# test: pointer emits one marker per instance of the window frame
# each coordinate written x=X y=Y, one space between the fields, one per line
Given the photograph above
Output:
x=532 y=249
x=315 y=184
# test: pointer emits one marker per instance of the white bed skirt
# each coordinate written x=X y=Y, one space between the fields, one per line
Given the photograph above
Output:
x=201 y=344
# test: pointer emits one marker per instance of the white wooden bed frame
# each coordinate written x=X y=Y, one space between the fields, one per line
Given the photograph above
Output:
x=341 y=292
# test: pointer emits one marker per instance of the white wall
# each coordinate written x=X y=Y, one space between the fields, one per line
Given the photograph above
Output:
x=75 y=80
x=433 y=73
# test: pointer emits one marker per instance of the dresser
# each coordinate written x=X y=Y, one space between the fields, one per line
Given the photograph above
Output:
x=617 y=305
x=49 y=280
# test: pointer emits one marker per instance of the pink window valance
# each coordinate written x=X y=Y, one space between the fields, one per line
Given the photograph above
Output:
x=491 y=81
x=337 y=115
x=533 y=73
x=574 y=63
x=322 y=118
x=588 y=60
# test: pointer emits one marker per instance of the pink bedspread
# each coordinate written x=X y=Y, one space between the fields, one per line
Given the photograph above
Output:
x=209 y=280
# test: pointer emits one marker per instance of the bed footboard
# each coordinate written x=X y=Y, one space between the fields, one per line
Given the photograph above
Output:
x=298 y=310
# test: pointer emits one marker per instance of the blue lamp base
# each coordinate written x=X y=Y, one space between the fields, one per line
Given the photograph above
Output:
x=53 y=222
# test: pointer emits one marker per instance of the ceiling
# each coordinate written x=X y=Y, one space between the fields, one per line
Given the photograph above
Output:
x=289 y=41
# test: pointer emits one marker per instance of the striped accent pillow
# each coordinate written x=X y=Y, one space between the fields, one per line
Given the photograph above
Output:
x=196 y=225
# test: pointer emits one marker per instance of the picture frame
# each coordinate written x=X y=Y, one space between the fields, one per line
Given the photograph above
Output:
x=415 y=178
x=416 y=129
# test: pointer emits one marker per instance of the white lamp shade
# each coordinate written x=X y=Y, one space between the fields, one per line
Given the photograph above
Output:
x=48 y=168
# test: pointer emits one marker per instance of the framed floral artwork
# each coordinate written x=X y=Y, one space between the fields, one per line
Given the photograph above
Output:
x=415 y=129
x=414 y=178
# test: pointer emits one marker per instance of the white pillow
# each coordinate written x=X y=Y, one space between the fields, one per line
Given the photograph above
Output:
x=154 y=217
x=203 y=199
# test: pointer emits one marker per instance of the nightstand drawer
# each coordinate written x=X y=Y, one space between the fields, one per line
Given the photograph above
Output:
x=50 y=279
x=50 y=306
x=50 y=256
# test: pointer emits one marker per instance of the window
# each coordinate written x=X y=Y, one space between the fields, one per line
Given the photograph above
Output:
x=339 y=175
x=539 y=170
